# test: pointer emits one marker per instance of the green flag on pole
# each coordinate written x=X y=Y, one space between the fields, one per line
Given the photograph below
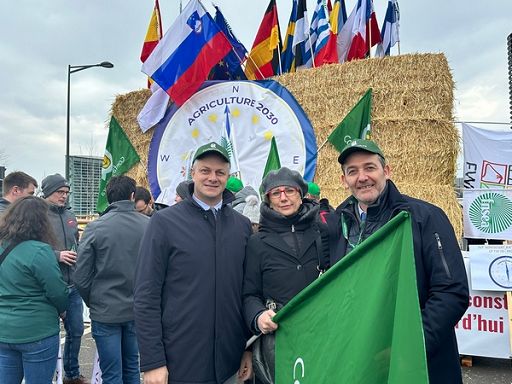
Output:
x=273 y=161
x=356 y=125
x=119 y=157
x=360 y=322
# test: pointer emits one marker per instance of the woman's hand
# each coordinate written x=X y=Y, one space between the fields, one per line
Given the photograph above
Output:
x=265 y=323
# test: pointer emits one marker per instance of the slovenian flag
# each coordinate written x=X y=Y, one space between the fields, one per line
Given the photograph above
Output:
x=191 y=47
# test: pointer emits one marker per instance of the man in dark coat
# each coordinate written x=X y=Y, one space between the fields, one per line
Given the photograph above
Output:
x=188 y=286
x=441 y=276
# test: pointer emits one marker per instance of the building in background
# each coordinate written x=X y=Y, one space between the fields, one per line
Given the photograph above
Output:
x=84 y=175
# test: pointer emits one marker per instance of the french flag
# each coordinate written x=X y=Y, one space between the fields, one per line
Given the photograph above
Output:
x=359 y=33
x=191 y=47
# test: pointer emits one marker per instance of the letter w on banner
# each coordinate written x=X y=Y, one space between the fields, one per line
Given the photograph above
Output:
x=360 y=322
x=487 y=183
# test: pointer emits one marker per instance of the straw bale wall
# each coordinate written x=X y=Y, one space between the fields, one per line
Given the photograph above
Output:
x=412 y=121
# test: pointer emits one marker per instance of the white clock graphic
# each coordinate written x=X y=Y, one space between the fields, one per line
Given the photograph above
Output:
x=500 y=271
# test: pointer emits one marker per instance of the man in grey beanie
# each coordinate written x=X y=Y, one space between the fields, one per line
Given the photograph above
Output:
x=56 y=191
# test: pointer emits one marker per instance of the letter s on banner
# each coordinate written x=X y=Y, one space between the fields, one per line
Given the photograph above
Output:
x=300 y=362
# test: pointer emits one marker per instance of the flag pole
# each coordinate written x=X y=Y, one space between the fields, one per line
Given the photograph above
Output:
x=322 y=145
x=311 y=50
x=370 y=38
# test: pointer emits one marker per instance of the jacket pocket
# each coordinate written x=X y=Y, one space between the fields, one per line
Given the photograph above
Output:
x=441 y=255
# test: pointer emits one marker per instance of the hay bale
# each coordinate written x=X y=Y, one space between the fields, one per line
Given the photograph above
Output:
x=412 y=121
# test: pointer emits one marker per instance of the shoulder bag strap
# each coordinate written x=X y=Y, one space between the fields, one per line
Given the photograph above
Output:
x=6 y=251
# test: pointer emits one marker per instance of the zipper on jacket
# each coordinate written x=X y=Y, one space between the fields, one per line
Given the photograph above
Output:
x=441 y=253
x=293 y=228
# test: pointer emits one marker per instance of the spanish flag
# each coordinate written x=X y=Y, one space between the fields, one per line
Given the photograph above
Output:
x=264 y=59
x=153 y=35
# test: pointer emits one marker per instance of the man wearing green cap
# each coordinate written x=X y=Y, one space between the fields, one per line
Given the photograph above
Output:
x=441 y=276
x=188 y=285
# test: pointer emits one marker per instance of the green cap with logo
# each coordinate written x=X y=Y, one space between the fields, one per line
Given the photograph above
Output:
x=212 y=147
x=359 y=145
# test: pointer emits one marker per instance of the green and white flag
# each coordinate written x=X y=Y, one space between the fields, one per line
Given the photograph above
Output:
x=119 y=157
x=360 y=322
x=356 y=125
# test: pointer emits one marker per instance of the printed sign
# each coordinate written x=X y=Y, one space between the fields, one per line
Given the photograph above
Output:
x=487 y=183
x=484 y=328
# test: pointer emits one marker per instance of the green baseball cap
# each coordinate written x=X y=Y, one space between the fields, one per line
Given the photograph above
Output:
x=359 y=145
x=212 y=147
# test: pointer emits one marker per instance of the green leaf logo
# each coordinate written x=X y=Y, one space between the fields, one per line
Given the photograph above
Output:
x=491 y=212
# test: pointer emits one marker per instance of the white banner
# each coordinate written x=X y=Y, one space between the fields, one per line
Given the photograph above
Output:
x=484 y=328
x=487 y=183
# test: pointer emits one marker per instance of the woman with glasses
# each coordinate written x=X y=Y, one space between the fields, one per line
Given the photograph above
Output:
x=284 y=257
x=32 y=294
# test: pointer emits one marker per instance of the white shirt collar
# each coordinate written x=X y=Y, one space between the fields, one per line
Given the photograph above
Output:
x=205 y=206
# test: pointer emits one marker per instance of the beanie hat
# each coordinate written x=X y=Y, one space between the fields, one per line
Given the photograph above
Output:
x=252 y=209
x=53 y=182
x=313 y=189
x=234 y=184
x=284 y=176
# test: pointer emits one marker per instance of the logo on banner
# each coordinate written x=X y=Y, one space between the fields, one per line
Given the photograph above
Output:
x=500 y=271
x=243 y=117
x=493 y=174
x=491 y=213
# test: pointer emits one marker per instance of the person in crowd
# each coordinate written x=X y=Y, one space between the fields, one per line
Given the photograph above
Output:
x=252 y=211
x=182 y=191
x=283 y=258
x=188 y=304
x=313 y=192
x=104 y=276
x=234 y=184
x=143 y=201
x=241 y=198
x=15 y=186
x=440 y=272
x=32 y=294
x=56 y=190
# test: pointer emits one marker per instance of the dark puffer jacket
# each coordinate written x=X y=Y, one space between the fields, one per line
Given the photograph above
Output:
x=441 y=276
x=282 y=258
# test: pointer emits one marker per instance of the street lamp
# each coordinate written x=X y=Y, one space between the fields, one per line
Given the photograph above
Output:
x=73 y=69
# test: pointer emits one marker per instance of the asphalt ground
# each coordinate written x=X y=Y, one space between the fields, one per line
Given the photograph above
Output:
x=484 y=370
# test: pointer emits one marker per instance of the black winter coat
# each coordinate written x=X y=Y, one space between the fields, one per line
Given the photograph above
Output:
x=282 y=258
x=441 y=276
x=188 y=292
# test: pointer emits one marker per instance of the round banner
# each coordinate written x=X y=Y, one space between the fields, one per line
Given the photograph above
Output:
x=243 y=116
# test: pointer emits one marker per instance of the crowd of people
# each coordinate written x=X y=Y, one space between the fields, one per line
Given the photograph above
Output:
x=176 y=293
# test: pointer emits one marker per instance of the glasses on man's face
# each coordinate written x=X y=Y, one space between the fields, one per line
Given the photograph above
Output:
x=63 y=193
x=276 y=193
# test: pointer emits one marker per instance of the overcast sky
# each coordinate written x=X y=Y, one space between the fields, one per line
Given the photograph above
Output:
x=40 y=38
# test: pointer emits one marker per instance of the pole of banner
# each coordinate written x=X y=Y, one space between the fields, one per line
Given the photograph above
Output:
x=370 y=40
x=399 y=47
x=311 y=50
x=509 y=306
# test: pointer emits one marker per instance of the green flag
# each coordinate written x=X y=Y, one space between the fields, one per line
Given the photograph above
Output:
x=356 y=125
x=119 y=157
x=360 y=322
x=273 y=161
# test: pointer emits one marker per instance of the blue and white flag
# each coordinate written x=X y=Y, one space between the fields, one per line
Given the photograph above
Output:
x=390 y=29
